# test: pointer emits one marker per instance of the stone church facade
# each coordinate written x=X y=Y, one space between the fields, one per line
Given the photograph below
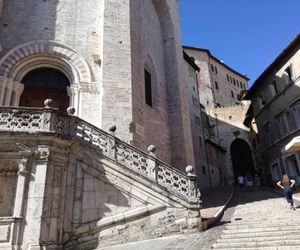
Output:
x=104 y=50
x=70 y=182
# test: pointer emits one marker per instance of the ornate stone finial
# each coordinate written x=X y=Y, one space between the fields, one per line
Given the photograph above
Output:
x=71 y=110
x=48 y=103
x=189 y=170
x=112 y=129
x=151 y=149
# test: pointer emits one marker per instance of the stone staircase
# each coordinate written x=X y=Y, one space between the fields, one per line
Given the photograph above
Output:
x=79 y=187
x=262 y=220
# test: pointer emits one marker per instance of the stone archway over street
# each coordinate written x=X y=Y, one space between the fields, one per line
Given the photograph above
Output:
x=241 y=157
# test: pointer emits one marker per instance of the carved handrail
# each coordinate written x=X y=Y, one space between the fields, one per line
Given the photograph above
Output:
x=49 y=120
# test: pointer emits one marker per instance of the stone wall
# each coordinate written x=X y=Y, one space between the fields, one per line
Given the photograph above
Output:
x=156 y=46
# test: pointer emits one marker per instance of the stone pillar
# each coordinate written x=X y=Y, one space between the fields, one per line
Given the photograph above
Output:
x=10 y=92
x=36 y=198
x=18 y=90
x=74 y=94
x=3 y=83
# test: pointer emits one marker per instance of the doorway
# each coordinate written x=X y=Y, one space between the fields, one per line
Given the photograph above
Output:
x=45 y=83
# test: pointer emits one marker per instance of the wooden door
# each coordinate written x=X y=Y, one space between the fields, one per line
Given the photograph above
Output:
x=35 y=97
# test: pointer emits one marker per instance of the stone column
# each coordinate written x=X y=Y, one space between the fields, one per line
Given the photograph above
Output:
x=10 y=92
x=74 y=94
x=36 y=198
x=18 y=90
x=3 y=83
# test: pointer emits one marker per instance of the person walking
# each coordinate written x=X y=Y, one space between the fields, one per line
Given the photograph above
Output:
x=286 y=185
x=241 y=182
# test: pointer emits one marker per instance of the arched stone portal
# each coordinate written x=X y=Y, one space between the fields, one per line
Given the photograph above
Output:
x=45 y=83
x=241 y=157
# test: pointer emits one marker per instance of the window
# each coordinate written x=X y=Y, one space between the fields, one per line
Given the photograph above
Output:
x=203 y=170
x=194 y=89
x=276 y=173
x=232 y=94
x=281 y=124
x=261 y=102
x=267 y=134
x=216 y=85
x=274 y=89
x=241 y=85
x=216 y=70
x=148 y=88
x=287 y=74
x=234 y=81
x=197 y=120
x=244 y=86
x=227 y=77
x=295 y=110
x=195 y=101
x=292 y=168
x=200 y=141
x=212 y=68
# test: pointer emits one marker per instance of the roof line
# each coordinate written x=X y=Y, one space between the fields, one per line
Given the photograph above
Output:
x=216 y=59
x=191 y=61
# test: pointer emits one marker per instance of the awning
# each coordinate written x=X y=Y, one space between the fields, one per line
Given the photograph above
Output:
x=292 y=146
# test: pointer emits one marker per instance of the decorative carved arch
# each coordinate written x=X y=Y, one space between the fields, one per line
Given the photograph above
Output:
x=26 y=57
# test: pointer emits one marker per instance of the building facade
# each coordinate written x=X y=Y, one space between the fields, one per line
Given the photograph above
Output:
x=220 y=89
x=79 y=180
x=275 y=109
x=101 y=61
x=220 y=85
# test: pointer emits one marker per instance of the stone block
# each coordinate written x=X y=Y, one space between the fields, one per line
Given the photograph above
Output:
x=4 y=233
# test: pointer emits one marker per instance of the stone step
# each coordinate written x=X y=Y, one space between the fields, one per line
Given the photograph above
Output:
x=265 y=248
x=269 y=243
x=241 y=236
x=259 y=222
x=260 y=225
x=263 y=238
x=262 y=229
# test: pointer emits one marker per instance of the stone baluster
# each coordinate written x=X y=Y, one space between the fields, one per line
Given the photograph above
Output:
x=47 y=114
x=193 y=191
x=151 y=162
x=112 y=143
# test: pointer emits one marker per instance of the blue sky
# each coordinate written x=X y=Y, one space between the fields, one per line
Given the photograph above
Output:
x=246 y=34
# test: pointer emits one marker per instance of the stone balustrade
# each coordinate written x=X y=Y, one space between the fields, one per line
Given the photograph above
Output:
x=52 y=121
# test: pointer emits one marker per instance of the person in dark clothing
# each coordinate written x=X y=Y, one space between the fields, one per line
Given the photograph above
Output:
x=286 y=185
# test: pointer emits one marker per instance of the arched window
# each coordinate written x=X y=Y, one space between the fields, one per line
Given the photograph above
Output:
x=45 y=83
x=8 y=184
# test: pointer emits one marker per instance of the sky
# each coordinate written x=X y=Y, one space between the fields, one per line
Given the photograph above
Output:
x=246 y=34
